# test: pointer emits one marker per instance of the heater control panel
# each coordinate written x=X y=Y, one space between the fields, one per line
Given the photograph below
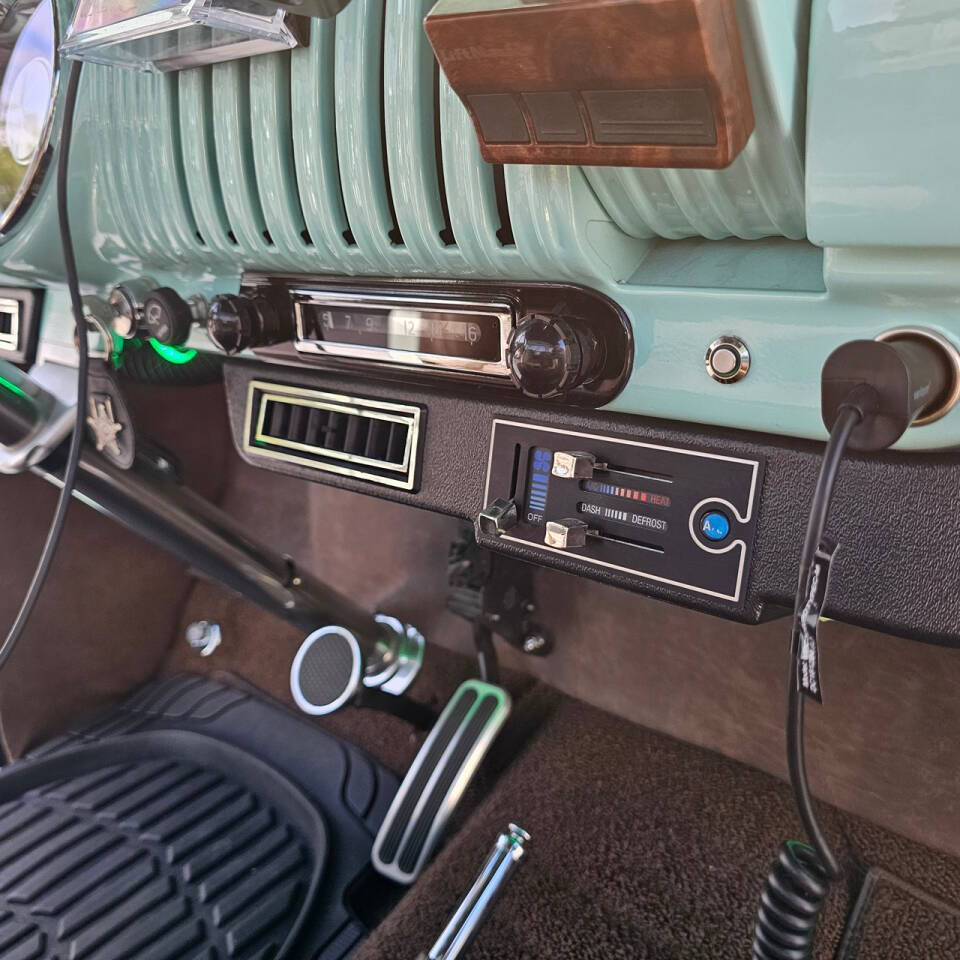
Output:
x=682 y=517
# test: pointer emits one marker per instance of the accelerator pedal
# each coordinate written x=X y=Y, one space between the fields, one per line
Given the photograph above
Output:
x=437 y=779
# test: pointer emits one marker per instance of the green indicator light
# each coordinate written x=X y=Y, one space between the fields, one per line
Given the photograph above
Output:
x=12 y=387
x=176 y=355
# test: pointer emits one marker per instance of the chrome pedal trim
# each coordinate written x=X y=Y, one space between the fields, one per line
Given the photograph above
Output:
x=437 y=779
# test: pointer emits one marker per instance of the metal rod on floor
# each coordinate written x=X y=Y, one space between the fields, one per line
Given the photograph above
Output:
x=475 y=907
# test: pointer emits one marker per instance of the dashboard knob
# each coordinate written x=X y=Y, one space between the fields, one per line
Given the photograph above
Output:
x=238 y=322
x=167 y=316
x=127 y=299
x=497 y=517
x=551 y=355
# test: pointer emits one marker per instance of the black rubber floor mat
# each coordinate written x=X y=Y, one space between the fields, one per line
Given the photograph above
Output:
x=351 y=791
x=893 y=920
x=159 y=846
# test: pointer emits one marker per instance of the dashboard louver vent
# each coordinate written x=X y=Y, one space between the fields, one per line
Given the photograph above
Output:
x=9 y=324
x=368 y=439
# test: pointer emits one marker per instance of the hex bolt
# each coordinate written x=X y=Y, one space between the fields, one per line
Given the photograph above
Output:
x=204 y=636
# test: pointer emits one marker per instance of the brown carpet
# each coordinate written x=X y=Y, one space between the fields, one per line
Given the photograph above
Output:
x=897 y=921
x=643 y=847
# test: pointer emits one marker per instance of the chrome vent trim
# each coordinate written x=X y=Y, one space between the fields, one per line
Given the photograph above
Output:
x=327 y=431
x=9 y=325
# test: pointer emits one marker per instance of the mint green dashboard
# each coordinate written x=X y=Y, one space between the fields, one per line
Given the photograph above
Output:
x=353 y=156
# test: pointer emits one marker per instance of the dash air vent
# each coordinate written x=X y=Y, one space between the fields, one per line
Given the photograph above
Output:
x=9 y=324
x=368 y=439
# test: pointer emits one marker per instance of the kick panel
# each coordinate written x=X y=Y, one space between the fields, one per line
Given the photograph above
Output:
x=682 y=517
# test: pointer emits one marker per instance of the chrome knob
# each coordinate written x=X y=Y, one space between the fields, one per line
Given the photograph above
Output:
x=497 y=517
x=566 y=534
x=574 y=465
x=727 y=359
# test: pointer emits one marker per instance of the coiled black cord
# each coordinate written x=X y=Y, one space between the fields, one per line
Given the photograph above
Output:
x=798 y=882
x=790 y=905
x=79 y=429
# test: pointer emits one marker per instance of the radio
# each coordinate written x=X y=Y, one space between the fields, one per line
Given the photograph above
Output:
x=553 y=341
x=684 y=518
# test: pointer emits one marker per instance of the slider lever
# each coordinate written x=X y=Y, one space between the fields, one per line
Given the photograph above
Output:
x=568 y=534
x=475 y=907
x=575 y=465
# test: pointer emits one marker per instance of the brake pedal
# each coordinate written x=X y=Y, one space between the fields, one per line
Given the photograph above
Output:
x=437 y=779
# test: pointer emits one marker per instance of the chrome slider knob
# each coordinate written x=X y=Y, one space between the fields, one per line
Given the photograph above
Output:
x=497 y=517
x=575 y=465
x=566 y=534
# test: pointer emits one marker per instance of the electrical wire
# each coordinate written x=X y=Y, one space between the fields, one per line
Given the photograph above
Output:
x=79 y=429
x=847 y=420
x=799 y=881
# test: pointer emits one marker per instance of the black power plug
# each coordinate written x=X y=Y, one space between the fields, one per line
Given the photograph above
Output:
x=905 y=378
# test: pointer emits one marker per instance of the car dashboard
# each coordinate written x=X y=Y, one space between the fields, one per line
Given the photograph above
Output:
x=609 y=368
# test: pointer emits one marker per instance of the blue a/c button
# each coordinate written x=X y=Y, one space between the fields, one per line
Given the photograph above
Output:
x=715 y=526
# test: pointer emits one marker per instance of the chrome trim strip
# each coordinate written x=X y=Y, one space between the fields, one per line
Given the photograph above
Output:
x=500 y=308
x=735 y=596
x=953 y=358
x=355 y=406
x=452 y=797
x=37 y=170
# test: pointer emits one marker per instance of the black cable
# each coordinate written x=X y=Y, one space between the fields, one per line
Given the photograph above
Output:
x=848 y=418
x=799 y=881
x=79 y=429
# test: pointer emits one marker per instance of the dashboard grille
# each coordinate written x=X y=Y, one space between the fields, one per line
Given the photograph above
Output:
x=368 y=439
x=353 y=156
x=328 y=158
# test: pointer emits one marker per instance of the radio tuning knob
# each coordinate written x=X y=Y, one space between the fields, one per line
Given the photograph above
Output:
x=167 y=316
x=550 y=355
x=238 y=322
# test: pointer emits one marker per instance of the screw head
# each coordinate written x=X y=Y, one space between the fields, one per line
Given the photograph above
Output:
x=534 y=643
